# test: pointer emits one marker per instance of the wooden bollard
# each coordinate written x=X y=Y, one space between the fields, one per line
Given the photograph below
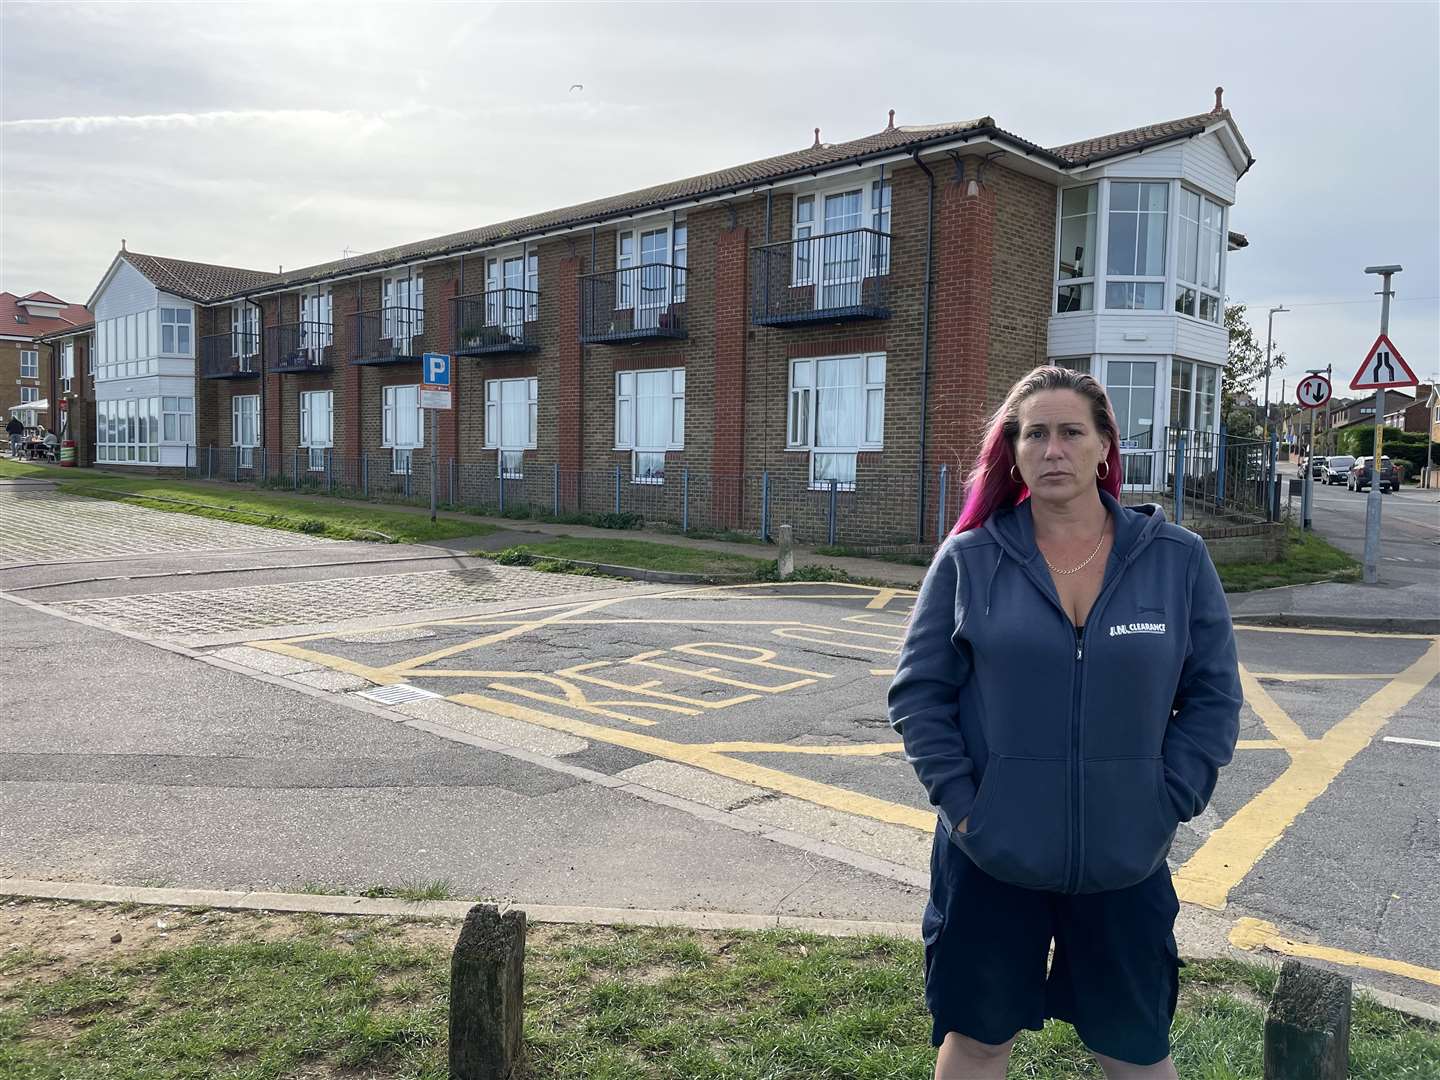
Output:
x=487 y=995
x=786 y=561
x=1307 y=1030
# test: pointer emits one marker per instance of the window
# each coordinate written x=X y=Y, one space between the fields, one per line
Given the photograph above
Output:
x=402 y=425
x=317 y=325
x=29 y=364
x=315 y=430
x=245 y=427
x=1131 y=385
x=1202 y=243
x=649 y=419
x=1136 y=246
x=403 y=316
x=1074 y=363
x=67 y=362
x=836 y=409
x=511 y=418
x=650 y=285
x=680 y=256
x=29 y=393
x=512 y=291
x=1193 y=390
x=175 y=338
x=128 y=430
x=804 y=229
x=1079 y=211
x=178 y=420
x=244 y=329
x=841 y=254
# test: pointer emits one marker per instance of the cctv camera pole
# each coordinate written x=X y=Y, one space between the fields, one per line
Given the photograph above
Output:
x=1372 y=504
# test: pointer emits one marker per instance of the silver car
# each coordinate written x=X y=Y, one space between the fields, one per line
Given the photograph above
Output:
x=1337 y=468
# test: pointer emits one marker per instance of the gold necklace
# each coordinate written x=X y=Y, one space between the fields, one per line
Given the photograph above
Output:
x=1076 y=569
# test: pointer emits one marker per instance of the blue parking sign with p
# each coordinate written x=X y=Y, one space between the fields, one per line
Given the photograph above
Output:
x=437 y=368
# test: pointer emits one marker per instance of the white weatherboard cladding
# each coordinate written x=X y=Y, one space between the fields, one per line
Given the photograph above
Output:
x=1072 y=335
x=1163 y=161
x=127 y=292
x=1131 y=333
x=177 y=365
x=1209 y=168
x=1201 y=341
x=144 y=386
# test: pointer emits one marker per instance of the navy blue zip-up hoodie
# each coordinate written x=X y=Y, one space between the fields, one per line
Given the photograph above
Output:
x=1073 y=761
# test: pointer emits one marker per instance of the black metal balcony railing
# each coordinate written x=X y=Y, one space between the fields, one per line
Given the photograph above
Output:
x=828 y=278
x=295 y=348
x=497 y=321
x=235 y=355
x=633 y=304
x=388 y=335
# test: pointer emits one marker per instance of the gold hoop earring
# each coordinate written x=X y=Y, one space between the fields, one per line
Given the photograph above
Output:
x=1103 y=475
x=1013 y=477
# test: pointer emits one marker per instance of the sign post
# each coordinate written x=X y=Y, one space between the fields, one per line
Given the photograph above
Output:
x=1376 y=373
x=1313 y=391
x=434 y=394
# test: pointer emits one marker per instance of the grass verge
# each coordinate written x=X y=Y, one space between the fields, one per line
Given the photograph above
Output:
x=252 y=996
x=247 y=506
x=643 y=554
x=1308 y=558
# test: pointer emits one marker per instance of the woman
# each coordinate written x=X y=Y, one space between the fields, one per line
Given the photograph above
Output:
x=1067 y=693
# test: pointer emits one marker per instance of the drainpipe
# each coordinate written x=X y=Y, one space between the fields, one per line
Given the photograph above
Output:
x=924 y=351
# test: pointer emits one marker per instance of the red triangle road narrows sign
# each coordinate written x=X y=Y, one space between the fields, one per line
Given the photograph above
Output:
x=1383 y=368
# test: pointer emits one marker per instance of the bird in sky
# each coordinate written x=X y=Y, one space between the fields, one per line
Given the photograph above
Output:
x=576 y=86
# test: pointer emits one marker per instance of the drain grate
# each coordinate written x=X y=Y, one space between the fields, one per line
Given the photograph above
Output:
x=398 y=694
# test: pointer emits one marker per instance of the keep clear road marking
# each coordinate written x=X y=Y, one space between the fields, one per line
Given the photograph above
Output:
x=1252 y=934
x=1229 y=853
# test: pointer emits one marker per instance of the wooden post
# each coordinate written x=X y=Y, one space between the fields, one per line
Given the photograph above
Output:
x=1307 y=1030
x=487 y=995
x=786 y=561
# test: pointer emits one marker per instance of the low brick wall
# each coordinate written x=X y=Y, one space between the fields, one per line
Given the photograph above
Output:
x=1264 y=542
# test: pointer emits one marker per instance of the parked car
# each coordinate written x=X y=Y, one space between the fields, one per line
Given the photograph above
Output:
x=1337 y=468
x=1317 y=468
x=1361 y=474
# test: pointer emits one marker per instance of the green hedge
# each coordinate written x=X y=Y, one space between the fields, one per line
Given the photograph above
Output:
x=1406 y=446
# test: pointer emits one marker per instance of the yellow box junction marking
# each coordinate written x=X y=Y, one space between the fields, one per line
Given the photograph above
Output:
x=1252 y=934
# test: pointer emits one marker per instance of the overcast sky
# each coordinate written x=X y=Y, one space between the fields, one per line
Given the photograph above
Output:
x=255 y=135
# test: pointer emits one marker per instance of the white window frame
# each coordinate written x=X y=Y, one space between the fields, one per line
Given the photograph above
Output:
x=390 y=411
x=628 y=398
x=1167 y=257
x=317 y=319
x=626 y=298
x=309 y=401
x=510 y=446
x=177 y=420
x=244 y=330
x=393 y=325
x=1183 y=225
x=502 y=273
x=872 y=216
x=240 y=405
x=179 y=320
x=804 y=407
x=1094 y=278
x=127 y=431
x=30 y=363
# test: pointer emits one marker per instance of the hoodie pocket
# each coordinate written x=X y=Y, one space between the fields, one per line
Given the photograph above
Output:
x=1019 y=826
x=1128 y=822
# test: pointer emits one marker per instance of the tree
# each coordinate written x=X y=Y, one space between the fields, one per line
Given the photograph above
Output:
x=1245 y=363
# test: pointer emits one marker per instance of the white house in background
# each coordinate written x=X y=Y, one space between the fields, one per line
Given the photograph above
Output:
x=1140 y=274
x=146 y=340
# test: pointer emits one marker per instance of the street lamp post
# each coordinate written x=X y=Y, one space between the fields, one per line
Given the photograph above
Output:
x=1372 y=504
x=1269 y=449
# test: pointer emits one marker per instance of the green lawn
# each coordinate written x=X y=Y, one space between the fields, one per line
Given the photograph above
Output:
x=340 y=520
x=645 y=555
x=1307 y=558
x=261 y=997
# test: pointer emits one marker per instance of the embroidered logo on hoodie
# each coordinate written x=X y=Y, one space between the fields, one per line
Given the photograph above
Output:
x=1121 y=629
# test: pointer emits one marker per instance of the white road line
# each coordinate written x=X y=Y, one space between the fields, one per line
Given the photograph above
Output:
x=1413 y=742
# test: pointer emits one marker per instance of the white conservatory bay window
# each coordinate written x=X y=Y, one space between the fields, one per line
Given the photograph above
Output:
x=1135 y=238
x=1202 y=246
x=649 y=419
x=836 y=410
x=1193 y=392
x=245 y=427
x=315 y=426
x=512 y=408
x=1079 y=213
x=402 y=425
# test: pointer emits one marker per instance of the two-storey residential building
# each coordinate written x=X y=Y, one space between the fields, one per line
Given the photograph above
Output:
x=835 y=322
x=25 y=369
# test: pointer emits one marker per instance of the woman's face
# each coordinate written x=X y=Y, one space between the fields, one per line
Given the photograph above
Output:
x=1059 y=449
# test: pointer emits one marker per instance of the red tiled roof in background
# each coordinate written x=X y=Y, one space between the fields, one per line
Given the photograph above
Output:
x=43 y=298
x=34 y=325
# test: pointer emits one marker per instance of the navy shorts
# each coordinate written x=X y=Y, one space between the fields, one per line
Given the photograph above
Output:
x=1115 y=975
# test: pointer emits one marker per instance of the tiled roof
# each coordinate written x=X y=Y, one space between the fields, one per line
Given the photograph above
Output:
x=209 y=283
x=1089 y=151
x=202 y=282
x=43 y=298
x=15 y=321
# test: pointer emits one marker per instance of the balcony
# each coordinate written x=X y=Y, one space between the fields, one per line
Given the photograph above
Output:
x=230 y=356
x=637 y=303
x=834 y=277
x=388 y=335
x=299 y=348
x=497 y=321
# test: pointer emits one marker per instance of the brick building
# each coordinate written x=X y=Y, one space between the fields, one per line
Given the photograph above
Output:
x=26 y=369
x=828 y=325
